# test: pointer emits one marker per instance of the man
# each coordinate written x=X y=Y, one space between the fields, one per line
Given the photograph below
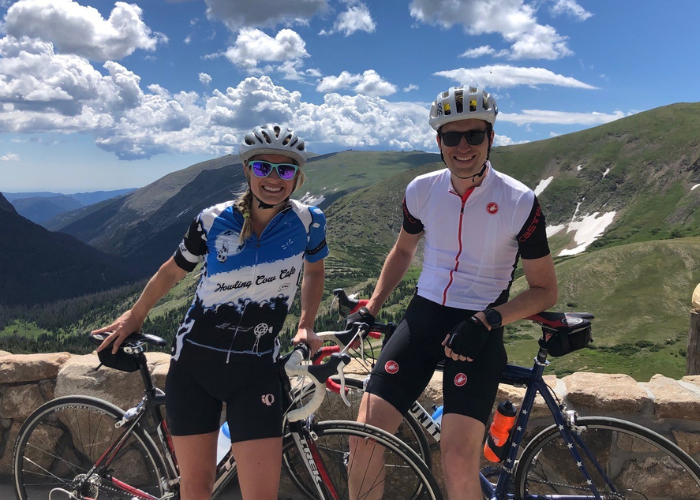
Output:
x=477 y=223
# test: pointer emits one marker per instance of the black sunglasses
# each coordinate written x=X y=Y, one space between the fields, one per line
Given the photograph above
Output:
x=473 y=137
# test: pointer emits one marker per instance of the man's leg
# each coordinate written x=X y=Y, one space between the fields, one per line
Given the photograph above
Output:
x=366 y=464
x=461 y=438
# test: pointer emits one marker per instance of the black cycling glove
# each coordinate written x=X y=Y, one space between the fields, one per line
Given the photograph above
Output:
x=468 y=337
x=362 y=315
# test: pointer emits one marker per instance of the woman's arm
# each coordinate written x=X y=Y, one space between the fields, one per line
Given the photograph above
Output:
x=311 y=294
x=132 y=320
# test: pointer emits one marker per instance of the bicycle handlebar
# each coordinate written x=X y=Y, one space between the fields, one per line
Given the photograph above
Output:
x=318 y=375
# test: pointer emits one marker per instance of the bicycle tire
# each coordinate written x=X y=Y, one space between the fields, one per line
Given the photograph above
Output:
x=62 y=439
x=405 y=475
x=641 y=463
x=410 y=431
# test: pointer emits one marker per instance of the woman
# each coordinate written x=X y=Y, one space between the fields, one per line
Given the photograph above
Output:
x=252 y=251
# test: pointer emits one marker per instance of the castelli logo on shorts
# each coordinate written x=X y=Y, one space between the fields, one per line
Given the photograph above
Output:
x=460 y=379
x=391 y=367
x=268 y=399
x=492 y=208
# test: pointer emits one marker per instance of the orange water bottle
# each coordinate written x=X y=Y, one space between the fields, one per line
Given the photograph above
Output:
x=496 y=446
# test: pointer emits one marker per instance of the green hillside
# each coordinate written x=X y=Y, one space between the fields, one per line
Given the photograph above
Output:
x=642 y=167
x=640 y=295
x=637 y=278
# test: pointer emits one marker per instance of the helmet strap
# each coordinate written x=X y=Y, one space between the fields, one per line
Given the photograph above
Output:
x=472 y=177
x=489 y=128
x=265 y=206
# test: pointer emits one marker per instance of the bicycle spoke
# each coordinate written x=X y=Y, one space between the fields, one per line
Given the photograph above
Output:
x=61 y=442
x=623 y=462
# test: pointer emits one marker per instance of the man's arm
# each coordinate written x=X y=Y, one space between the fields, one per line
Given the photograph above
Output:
x=394 y=269
x=541 y=294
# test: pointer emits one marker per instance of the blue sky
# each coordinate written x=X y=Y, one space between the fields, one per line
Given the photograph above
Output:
x=99 y=95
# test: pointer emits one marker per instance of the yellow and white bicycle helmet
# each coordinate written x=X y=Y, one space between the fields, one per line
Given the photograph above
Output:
x=462 y=103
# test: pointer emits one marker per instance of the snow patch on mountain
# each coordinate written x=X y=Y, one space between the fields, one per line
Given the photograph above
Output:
x=587 y=229
x=311 y=199
x=543 y=185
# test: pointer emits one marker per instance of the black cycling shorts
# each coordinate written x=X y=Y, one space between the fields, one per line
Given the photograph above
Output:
x=410 y=357
x=200 y=381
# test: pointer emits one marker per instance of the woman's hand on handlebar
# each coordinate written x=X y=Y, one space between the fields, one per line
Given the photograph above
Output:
x=308 y=336
x=124 y=326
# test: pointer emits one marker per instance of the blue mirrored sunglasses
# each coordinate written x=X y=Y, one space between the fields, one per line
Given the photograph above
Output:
x=285 y=171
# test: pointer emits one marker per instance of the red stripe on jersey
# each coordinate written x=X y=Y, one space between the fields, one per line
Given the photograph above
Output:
x=459 y=239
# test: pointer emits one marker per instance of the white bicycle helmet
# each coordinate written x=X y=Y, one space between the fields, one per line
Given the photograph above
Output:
x=273 y=139
x=450 y=106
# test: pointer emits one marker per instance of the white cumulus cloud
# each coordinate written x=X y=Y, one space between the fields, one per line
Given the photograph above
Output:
x=76 y=29
x=530 y=116
x=254 y=46
x=368 y=83
x=514 y=20
x=484 y=50
x=505 y=76
x=356 y=18
x=263 y=13
x=571 y=8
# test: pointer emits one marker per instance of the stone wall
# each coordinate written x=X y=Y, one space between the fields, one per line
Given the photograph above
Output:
x=670 y=407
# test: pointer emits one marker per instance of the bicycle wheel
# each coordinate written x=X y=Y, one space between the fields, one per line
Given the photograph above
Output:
x=403 y=477
x=633 y=463
x=410 y=430
x=61 y=441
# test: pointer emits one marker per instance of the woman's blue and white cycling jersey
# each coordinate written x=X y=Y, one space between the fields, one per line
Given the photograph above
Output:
x=246 y=289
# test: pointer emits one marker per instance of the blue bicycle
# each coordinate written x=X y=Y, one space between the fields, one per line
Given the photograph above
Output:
x=575 y=458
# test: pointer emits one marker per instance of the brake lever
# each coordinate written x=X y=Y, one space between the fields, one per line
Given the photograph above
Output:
x=341 y=375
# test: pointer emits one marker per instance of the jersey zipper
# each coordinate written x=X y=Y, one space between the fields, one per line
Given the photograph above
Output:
x=254 y=284
x=464 y=199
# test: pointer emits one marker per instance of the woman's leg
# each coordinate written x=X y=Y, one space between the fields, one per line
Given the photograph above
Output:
x=196 y=457
x=259 y=463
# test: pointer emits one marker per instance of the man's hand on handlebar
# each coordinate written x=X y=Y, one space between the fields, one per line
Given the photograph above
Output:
x=362 y=315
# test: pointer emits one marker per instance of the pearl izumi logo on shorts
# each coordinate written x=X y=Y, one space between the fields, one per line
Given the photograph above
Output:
x=460 y=379
x=492 y=208
x=391 y=367
x=268 y=399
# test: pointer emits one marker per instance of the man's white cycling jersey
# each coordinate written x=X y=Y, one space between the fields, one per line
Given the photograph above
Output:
x=246 y=289
x=473 y=242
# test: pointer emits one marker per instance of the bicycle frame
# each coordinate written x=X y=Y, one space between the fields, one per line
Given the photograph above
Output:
x=532 y=379
x=154 y=399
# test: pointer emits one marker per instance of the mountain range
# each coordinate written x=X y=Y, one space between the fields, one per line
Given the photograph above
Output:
x=42 y=206
x=630 y=180
x=39 y=266
x=621 y=202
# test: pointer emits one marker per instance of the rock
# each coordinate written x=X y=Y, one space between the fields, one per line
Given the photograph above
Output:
x=6 y=445
x=22 y=368
x=688 y=441
x=605 y=393
x=672 y=400
x=20 y=401
x=78 y=376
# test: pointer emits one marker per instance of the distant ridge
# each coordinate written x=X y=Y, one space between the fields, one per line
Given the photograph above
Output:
x=38 y=266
